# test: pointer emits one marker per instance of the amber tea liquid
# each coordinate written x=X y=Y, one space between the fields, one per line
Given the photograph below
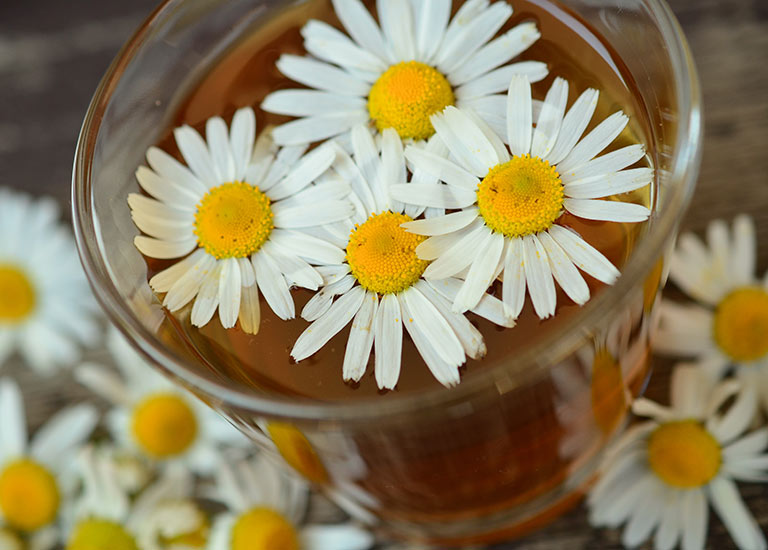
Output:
x=510 y=447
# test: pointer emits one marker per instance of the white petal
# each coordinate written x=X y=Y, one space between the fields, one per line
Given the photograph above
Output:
x=443 y=224
x=350 y=173
x=164 y=250
x=160 y=228
x=310 y=248
x=396 y=22
x=741 y=525
x=461 y=254
x=242 y=135
x=326 y=327
x=481 y=274
x=594 y=142
x=742 y=263
x=360 y=25
x=306 y=171
x=498 y=81
x=431 y=21
x=651 y=409
x=284 y=161
x=538 y=277
x=438 y=346
x=436 y=196
x=388 y=330
x=63 y=433
x=250 y=310
x=550 y=119
x=247 y=276
x=737 y=418
x=230 y=288
x=322 y=76
x=318 y=128
x=301 y=103
x=471 y=339
x=606 y=185
x=574 y=123
x=360 y=339
x=393 y=168
x=296 y=270
x=103 y=382
x=463 y=150
x=751 y=444
x=513 y=288
x=310 y=215
x=195 y=152
x=489 y=307
x=218 y=145
x=187 y=286
x=168 y=191
x=454 y=53
x=565 y=273
x=207 y=299
x=273 y=285
x=13 y=437
x=610 y=162
x=146 y=206
x=472 y=137
x=519 y=116
x=164 y=280
x=329 y=44
x=337 y=537
x=586 y=257
x=441 y=168
x=319 y=304
x=171 y=169
x=367 y=159
x=607 y=210
x=496 y=53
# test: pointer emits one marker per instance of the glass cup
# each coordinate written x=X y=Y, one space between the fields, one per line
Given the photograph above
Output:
x=513 y=445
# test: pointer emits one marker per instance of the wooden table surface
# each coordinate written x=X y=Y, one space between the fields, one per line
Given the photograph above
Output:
x=53 y=53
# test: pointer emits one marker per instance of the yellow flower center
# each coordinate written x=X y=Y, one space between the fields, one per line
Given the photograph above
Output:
x=101 y=534
x=233 y=220
x=741 y=324
x=609 y=402
x=683 y=454
x=29 y=495
x=297 y=451
x=382 y=255
x=17 y=294
x=264 y=529
x=405 y=96
x=520 y=197
x=164 y=425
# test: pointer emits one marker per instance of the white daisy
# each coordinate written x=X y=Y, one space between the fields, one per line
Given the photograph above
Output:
x=379 y=283
x=660 y=475
x=153 y=416
x=264 y=510
x=729 y=325
x=36 y=476
x=397 y=73
x=237 y=209
x=105 y=517
x=511 y=198
x=47 y=310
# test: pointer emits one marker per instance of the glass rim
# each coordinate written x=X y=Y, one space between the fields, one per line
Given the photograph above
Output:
x=536 y=358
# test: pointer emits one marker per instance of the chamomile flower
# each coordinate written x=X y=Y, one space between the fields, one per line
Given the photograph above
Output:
x=511 y=198
x=380 y=284
x=729 y=324
x=414 y=63
x=46 y=308
x=264 y=510
x=153 y=416
x=35 y=474
x=105 y=517
x=660 y=475
x=237 y=209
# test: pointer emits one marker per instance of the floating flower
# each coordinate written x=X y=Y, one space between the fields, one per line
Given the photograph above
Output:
x=238 y=210
x=511 y=199
x=398 y=73
x=46 y=308
x=163 y=516
x=35 y=474
x=729 y=325
x=380 y=281
x=151 y=415
x=660 y=475
x=265 y=507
